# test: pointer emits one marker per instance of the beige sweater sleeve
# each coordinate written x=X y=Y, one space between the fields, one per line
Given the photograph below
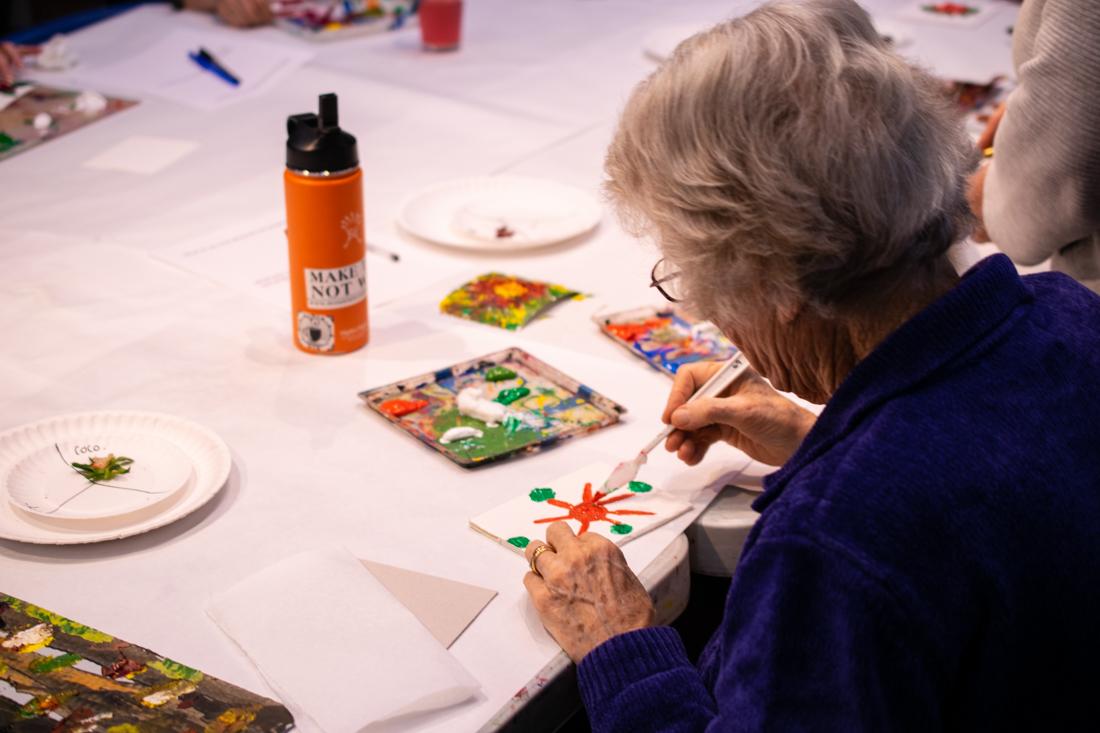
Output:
x=1042 y=189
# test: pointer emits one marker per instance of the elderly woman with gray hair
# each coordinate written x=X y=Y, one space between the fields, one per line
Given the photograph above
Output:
x=928 y=556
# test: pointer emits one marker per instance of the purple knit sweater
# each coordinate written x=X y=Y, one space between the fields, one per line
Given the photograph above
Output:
x=929 y=559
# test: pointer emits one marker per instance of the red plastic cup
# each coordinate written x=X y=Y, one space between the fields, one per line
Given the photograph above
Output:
x=440 y=24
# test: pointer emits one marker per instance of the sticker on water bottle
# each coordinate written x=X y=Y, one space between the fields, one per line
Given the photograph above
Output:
x=315 y=332
x=328 y=289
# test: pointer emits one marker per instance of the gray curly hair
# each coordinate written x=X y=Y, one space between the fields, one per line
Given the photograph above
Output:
x=790 y=157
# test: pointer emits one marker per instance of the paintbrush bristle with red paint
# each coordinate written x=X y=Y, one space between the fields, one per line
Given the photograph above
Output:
x=626 y=472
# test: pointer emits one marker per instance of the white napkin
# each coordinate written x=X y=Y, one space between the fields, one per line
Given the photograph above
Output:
x=336 y=645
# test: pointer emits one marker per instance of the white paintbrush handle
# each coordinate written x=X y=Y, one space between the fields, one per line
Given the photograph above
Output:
x=724 y=377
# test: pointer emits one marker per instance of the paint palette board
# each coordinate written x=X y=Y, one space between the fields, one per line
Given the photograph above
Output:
x=17 y=129
x=64 y=676
x=505 y=301
x=543 y=405
x=619 y=516
x=666 y=338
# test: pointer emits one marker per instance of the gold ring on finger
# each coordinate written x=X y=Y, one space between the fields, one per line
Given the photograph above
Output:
x=535 y=558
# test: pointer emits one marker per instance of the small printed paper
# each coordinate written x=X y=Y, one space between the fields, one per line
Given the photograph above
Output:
x=142 y=154
x=960 y=14
x=504 y=301
x=620 y=516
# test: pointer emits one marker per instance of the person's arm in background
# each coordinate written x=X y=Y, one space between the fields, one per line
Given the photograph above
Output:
x=238 y=13
x=1041 y=190
x=11 y=60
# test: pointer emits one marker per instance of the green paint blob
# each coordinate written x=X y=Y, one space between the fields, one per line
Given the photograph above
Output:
x=542 y=494
x=621 y=529
x=520 y=542
x=639 y=487
x=176 y=671
x=508 y=396
x=49 y=664
x=499 y=374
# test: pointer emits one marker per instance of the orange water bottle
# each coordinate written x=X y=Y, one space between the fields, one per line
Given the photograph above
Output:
x=324 y=229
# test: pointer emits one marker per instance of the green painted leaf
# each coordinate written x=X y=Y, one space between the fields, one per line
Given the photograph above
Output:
x=520 y=542
x=639 y=487
x=49 y=664
x=621 y=529
x=541 y=494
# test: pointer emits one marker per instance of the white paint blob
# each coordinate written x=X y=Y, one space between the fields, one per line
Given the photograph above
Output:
x=472 y=403
x=42 y=121
x=90 y=103
x=459 y=433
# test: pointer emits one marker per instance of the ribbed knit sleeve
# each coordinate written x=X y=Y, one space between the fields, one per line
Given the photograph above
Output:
x=1042 y=190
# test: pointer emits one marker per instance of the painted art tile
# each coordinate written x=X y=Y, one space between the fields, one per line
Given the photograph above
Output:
x=957 y=13
x=620 y=515
x=504 y=301
x=59 y=111
x=666 y=338
x=493 y=407
x=60 y=675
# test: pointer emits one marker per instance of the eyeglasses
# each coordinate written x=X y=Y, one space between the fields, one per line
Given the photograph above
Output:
x=666 y=278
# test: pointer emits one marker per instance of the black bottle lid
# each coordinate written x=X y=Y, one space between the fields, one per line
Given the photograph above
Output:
x=316 y=144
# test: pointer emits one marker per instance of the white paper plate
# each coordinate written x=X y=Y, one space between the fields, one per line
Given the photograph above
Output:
x=499 y=213
x=47 y=484
x=164 y=439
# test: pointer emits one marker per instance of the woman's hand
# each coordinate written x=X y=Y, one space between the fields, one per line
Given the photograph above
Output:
x=990 y=130
x=975 y=195
x=750 y=416
x=244 y=13
x=586 y=593
x=11 y=60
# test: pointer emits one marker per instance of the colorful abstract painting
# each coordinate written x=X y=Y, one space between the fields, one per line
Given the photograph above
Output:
x=61 y=676
x=620 y=515
x=666 y=338
x=504 y=301
x=519 y=403
x=56 y=112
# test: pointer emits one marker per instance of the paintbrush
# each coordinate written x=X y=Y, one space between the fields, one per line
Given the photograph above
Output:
x=625 y=472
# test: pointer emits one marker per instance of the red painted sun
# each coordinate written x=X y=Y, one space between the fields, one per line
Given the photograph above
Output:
x=593 y=508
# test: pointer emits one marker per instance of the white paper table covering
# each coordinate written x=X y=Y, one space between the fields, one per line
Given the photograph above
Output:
x=336 y=645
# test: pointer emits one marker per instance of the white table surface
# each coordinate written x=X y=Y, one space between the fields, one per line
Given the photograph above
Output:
x=534 y=91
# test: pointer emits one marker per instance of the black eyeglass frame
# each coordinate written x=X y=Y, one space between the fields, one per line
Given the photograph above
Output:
x=654 y=282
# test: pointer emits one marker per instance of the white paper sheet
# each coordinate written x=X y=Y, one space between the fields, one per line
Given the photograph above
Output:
x=251 y=257
x=141 y=154
x=164 y=68
x=346 y=649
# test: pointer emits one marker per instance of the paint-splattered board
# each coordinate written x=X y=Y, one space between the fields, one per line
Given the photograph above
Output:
x=548 y=406
x=17 y=130
x=667 y=338
x=505 y=301
x=59 y=675
x=618 y=516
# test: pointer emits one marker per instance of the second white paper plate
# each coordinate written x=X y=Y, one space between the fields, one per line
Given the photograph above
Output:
x=499 y=213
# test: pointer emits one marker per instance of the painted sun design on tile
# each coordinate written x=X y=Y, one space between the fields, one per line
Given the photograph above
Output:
x=593 y=507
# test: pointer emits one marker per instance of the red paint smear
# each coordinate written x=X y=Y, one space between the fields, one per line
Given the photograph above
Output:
x=951 y=9
x=592 y=508
x=121 y=668
x=634 y=331
x=400 y=408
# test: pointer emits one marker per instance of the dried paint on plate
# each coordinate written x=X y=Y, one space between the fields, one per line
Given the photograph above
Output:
x=541 y=406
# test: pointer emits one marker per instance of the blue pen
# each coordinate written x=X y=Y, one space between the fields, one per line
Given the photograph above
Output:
x=207 y=61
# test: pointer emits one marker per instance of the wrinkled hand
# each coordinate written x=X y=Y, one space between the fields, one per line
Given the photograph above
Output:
x=587 y=593
x=750 y=415
x=975 y=196
x=244 y=13
x=990 y=131
x=11 y=60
